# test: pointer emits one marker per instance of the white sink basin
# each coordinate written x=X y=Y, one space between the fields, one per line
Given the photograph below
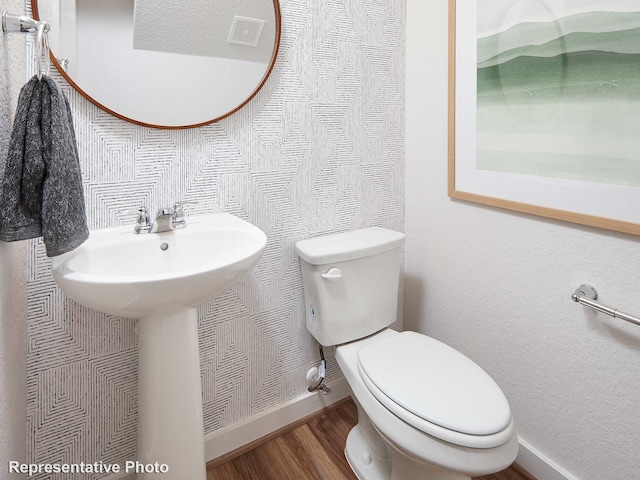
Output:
x=118 y=272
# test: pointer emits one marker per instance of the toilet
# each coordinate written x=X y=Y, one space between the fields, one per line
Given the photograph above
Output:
x=425 y=411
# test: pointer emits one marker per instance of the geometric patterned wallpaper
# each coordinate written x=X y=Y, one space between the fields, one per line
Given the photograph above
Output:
x=320 y=149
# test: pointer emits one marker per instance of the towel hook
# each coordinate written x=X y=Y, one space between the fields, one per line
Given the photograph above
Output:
x=12 y=23
x=42 y=50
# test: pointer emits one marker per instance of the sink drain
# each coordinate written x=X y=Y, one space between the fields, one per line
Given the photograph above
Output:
x=164 y=246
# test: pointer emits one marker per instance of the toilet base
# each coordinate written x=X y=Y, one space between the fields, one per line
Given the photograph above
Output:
x=371 y=458
x=365 y=462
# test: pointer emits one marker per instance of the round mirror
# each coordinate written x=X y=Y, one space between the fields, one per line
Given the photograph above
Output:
x=170 y=64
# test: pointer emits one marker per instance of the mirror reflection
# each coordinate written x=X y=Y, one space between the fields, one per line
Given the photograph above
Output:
x=170 y=64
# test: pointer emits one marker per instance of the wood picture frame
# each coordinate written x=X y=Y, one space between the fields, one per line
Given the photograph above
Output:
x=542 y=120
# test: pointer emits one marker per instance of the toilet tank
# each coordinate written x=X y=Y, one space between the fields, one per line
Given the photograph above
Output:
x=350 y=283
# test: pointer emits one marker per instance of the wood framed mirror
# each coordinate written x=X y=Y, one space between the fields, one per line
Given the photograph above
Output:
x=175 y=64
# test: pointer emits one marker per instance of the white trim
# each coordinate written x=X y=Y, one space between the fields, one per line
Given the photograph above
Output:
x=228 y=439
x=539 y=465
x=120 y=476
x=225 y=440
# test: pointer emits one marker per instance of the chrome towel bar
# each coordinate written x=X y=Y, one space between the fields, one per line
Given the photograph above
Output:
x=587 y=295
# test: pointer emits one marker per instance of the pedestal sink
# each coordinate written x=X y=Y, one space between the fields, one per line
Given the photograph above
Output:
x=160 y=279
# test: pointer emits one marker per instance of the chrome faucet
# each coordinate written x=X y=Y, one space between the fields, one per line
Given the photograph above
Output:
x=166 y=220
x=163 y=221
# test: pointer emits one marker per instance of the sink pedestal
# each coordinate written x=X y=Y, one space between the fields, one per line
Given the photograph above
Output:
x=152 y=277
x=171 y=430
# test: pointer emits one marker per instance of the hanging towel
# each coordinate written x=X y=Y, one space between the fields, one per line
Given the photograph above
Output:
x=42 y=185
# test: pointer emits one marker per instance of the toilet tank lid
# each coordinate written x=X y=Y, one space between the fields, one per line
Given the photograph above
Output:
x=340 y=247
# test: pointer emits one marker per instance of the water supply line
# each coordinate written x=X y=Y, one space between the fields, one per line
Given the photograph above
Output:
x=319 y=383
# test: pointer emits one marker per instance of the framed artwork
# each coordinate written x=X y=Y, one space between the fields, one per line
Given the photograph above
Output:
x=544 y=108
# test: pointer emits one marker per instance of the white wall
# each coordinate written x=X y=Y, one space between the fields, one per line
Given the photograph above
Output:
x=496 y=285
x=13 y=316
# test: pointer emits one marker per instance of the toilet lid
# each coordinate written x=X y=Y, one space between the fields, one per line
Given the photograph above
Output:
x=434 y=385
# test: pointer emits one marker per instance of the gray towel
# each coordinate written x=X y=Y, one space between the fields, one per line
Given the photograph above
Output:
x=42 y=185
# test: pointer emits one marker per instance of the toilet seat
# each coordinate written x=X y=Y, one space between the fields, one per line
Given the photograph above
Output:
x=436 y=389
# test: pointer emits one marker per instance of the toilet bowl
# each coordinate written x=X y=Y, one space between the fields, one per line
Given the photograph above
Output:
x=425 y=411
x=411 y=453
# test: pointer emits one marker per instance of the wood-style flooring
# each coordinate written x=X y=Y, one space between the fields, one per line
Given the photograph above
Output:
x=312 y=450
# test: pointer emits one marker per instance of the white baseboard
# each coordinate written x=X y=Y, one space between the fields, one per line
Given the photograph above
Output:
x=228 y=439
x=231 y=438
x=121 y=476
x=539 y=465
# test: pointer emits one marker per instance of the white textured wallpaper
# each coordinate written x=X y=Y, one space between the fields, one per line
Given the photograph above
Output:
x=319 y=150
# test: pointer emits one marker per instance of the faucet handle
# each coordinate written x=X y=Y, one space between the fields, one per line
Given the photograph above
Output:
x=179 y=206
x=179 y=220
x=143 y=224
